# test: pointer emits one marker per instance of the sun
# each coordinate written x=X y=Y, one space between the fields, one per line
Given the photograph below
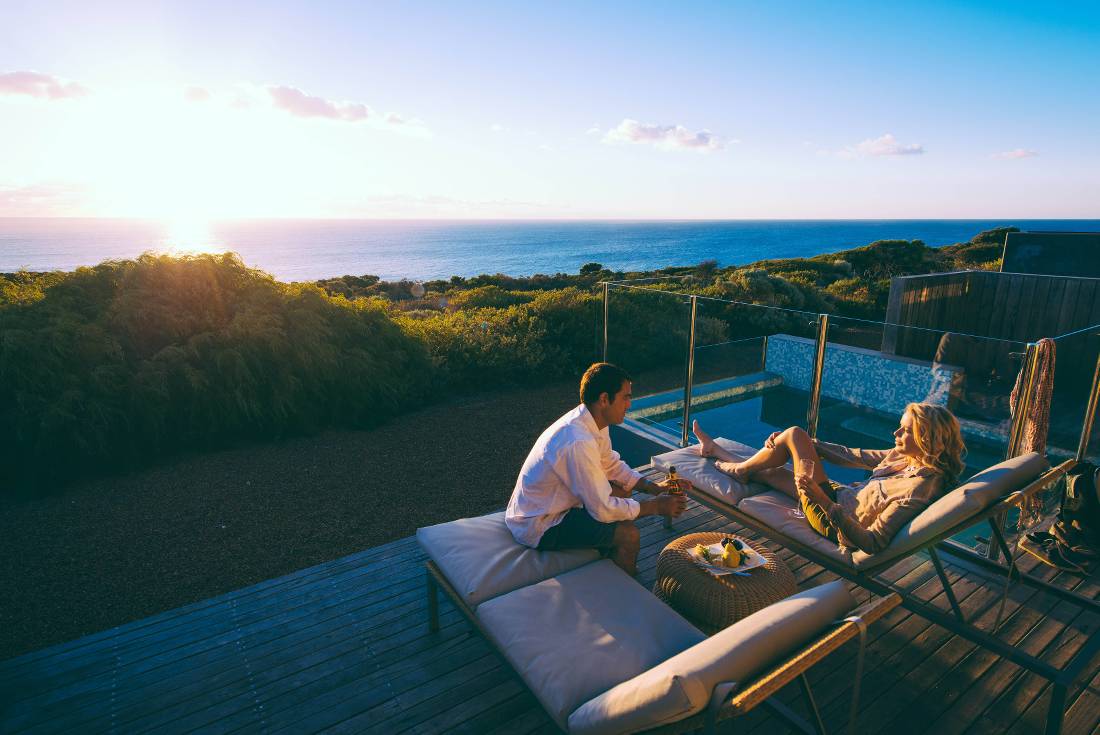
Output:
x=189 y=235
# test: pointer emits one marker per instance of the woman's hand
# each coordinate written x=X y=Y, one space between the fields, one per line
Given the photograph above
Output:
x=769 y=443
x=813 y=492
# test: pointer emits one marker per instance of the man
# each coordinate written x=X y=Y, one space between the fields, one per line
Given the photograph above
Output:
x=564 y=498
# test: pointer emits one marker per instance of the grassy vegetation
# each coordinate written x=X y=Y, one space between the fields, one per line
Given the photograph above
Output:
x=120 y=364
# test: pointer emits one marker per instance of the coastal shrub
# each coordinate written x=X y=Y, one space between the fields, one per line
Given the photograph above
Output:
x=860 y=298
x=482 y=297
x=24 y=287
x=550 y=336
x=118 y=364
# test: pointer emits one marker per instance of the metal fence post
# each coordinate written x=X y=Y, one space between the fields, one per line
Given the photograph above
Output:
x=1090 y=413
x=815 y=381
x=689 y=376
x=606 y=288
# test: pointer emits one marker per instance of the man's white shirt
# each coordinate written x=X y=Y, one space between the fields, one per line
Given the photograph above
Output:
x=570 y=466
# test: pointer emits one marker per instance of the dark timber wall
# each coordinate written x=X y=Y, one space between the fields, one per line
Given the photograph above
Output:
x=1010 y=306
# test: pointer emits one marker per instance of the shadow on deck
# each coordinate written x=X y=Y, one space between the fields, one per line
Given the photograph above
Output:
x=344 y=647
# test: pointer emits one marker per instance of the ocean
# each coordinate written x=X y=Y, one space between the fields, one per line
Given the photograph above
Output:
x=300 y=250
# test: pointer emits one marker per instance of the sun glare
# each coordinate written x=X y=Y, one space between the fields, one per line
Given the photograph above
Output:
x=189 y=236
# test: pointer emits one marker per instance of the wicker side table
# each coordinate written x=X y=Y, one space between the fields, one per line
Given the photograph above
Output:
x=713 y=602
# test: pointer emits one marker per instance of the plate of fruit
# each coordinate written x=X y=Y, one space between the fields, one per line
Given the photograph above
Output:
x=730 y=556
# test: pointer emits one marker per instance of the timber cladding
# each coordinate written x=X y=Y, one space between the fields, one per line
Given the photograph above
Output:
x=1013 y=308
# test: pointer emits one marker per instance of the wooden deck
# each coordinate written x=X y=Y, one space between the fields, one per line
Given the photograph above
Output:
x=344 y=647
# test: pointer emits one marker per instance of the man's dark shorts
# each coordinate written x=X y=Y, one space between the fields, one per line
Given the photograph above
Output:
x=578 y=530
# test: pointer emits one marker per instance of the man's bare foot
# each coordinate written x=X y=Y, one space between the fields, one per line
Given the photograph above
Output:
x=706 y=442
x=736 y=470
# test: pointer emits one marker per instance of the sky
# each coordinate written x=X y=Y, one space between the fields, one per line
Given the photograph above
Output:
x=194 y=111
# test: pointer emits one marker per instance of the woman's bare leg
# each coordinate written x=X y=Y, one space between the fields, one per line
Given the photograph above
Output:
x=778 y=478
x=792 y=444
x=708 y=447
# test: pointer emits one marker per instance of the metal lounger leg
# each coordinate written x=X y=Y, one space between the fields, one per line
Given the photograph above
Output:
x=861 y=626
x=819 y=725
x=946 y=584
x=1056 y=709
x=999 y=535
x=433 y=603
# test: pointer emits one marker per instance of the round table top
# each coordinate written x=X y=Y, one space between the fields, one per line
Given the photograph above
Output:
x=714 y=602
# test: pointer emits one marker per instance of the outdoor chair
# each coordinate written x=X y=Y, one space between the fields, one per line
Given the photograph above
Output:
x=604 y=656
x=984 y=498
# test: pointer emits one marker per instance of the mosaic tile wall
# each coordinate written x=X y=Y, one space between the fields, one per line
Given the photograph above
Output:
x=859 y=376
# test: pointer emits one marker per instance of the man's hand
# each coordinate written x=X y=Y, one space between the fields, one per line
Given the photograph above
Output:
x=680 y=485
x=664 y=505
x=671 y=505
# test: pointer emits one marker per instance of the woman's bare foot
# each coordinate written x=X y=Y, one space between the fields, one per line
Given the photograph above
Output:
x=706 y=442
x=736 y=470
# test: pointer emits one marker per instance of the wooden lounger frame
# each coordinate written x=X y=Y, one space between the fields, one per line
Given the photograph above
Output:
x=1061 y=679
x=729 y=701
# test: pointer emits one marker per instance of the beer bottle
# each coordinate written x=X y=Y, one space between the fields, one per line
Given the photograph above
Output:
x=673 y=480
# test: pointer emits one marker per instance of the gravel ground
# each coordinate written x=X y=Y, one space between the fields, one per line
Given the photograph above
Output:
x=122 y=548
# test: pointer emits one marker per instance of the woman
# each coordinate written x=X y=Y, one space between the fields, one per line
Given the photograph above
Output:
x=925 y=461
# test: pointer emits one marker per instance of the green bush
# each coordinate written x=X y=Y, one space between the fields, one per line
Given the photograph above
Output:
x=118 y=364
x=491 y=297
x=552 y=335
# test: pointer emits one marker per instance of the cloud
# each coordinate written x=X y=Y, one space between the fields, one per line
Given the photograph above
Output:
x=300 y=104
x=666 y=137
x=884 y=145
x=196 y=94
x=594 y=130
x=296 y=102
x=36 y=84
x=1016 y=153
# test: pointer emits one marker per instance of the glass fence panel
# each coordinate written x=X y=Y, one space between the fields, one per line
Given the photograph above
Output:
x=752 y=369
x=877 y=370
x=1074 y=367
x=648 y=335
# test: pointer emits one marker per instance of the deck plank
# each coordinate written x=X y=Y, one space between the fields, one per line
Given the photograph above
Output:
x=344 y=647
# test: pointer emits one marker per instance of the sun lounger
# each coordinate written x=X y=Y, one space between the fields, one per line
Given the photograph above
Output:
x=984 y=498
x=642 y=666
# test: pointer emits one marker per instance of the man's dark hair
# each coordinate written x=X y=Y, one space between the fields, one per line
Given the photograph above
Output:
x=602 y=377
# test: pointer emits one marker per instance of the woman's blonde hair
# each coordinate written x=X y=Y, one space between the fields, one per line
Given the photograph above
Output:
x=939 y=439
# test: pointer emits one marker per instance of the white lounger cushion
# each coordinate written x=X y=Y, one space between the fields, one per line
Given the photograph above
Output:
x=777 y=509
x=736 y=654
x=972 y=497
x=579 y=634
x=704 y=475
x=481 y=559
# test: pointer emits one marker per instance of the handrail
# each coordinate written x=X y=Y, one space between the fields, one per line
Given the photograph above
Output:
x=817 y=314
x=1076 y=332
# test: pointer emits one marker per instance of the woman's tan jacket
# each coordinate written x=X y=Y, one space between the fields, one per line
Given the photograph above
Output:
x=869 y=514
